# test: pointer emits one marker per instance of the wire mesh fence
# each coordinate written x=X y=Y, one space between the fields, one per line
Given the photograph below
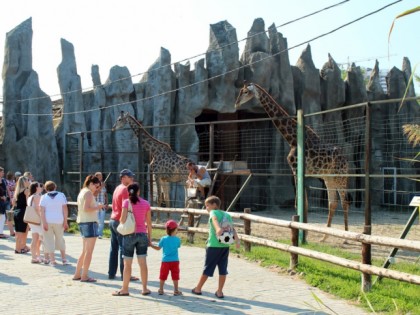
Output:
x=255 y=146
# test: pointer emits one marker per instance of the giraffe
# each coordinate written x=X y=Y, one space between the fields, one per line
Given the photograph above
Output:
x=166 y=165
x=320 y=158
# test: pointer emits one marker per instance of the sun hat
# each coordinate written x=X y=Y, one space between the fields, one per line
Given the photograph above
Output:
x=126 y=172
x=171 y=224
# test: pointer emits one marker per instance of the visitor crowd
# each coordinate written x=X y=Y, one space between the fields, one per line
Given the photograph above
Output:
x=19 y=191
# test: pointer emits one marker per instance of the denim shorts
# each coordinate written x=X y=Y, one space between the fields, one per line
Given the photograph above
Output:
x=137 y=241
x=88 y=229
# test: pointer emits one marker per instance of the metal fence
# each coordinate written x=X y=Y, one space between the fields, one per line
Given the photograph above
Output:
x=364 y=132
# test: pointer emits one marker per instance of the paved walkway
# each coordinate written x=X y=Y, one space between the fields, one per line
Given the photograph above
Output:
x=39 y=289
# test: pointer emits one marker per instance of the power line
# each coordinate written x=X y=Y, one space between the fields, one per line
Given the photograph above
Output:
x=229 y=71
x=192 y=57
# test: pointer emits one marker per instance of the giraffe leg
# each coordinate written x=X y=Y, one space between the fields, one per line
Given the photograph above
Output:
x=346 y=205
x=332 y=206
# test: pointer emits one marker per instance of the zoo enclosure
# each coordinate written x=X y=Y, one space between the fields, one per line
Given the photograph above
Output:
x=253 y=140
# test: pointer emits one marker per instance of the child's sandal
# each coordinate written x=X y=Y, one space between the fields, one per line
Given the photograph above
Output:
x=160 y=292
x=177 y=293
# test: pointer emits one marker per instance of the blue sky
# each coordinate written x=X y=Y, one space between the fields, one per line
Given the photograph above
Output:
x=130 y=33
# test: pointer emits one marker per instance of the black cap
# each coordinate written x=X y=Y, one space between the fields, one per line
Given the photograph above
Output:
x=126 y=172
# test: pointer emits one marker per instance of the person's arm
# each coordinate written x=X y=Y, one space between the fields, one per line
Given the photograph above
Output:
x=123 y=217
x=44 y=219
x=89 y=200
x=105 y=199
x=201 y=172
x=36 y=200
x=154 y=246
x=149 y=225
x=237 y=240
x=216 y=225
x=65 y=216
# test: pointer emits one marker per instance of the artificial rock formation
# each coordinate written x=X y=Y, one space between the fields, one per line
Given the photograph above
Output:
x=176 y=94
x=27 y=136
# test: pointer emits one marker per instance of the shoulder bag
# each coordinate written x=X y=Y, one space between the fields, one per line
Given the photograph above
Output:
x=31 y=215
x=129 y=226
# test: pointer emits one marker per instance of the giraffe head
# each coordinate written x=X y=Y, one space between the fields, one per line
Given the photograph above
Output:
x=248 y=92
x=121 y=121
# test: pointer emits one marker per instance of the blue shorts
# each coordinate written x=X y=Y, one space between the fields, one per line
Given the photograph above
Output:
x=216 y=256
x=88 y=229
x=137 y=241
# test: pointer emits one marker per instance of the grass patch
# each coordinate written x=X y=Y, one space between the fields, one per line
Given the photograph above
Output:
x=388 y=296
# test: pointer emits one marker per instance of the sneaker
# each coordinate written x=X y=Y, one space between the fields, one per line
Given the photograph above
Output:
x=100 y=237
x=111 y=277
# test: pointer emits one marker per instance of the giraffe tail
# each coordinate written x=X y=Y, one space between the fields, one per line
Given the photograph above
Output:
x=349 y=198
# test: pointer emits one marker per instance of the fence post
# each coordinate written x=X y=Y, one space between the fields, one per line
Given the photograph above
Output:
x=294 y=258
x=190 y=234
x=247 y=230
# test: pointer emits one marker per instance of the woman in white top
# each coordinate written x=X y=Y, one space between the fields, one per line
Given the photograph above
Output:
x=87 y=218
x=54 y=214
x=35 y=193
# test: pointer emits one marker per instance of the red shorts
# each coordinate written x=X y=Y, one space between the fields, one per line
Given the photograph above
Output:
x=173 y=267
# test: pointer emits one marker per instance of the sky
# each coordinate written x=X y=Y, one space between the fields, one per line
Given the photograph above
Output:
x=131 y=33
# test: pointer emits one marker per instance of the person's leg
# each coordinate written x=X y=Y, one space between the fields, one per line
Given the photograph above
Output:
x=2 y=220
x=120 y=252
x=143 y=273
x=60 y=242
x=90 y=245
x=48 y=237
x=24 y=239
x=163 y=275
x=222 y=266
x=128 y=261
x=113 y=253
x=222 y=280
x=78 y=272
x=175 y=276
x=34 y=245
x=200 y=284
x=18 y=241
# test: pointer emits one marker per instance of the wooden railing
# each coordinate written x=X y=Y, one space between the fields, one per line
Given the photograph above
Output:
x=294 y=249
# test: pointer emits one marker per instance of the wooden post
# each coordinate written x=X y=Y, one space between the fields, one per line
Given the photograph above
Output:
x=247 y=230
x=294 y=258
x=190 y=224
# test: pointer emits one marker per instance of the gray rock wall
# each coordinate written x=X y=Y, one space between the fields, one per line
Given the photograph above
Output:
x=29 y=141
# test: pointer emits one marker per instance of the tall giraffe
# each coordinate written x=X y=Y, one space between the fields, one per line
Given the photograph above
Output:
x=166 y=165
x=320 y=158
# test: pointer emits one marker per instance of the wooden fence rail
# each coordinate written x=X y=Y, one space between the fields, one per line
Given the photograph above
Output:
x=293 y=249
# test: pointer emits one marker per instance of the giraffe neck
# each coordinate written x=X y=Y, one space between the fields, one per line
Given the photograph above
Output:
x=281 y=119
x=286 y=125
x=148 y=142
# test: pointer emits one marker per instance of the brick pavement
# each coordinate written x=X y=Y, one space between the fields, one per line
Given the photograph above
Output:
x=250 y=289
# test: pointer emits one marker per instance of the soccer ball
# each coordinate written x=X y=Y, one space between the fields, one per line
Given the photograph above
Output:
x=226 y=238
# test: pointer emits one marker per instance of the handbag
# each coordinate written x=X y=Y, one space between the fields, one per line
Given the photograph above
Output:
x=31 y=215
x=10 y=215
x=129 y=226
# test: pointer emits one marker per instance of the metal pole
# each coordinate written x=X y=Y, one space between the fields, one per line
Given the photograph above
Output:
x=211 y=148
x=300 y=189
x=367 y=229
x=239 y=193
x=81 y=152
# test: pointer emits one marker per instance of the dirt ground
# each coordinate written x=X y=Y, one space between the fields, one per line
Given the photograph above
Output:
x=386 y=223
